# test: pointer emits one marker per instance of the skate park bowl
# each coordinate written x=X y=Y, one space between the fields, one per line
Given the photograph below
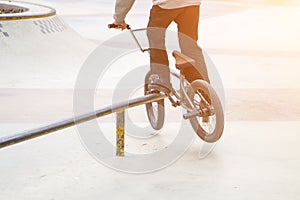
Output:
x=17 y=10
x=38 y=47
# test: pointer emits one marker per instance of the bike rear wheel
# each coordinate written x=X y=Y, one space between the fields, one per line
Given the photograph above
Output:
x=209 y=124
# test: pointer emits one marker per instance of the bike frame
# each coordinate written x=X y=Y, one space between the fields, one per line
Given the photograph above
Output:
x=181 y=96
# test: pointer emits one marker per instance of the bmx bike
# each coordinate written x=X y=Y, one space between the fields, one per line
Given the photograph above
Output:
x=201 y=102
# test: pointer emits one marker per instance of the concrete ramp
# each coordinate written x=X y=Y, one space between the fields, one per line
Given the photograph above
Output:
x=38 y=48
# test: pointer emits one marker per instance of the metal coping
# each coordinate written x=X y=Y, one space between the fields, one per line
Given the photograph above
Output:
x=30 y=10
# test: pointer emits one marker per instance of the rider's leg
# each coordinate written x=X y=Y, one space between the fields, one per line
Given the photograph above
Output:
x=187 y=22
x=159 y=20
x=159 y=63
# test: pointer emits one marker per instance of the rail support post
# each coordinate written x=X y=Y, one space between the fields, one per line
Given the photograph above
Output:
x=120 y=133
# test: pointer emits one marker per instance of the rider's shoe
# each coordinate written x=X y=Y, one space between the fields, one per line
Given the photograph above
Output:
x=159 y=81
x=204 y=103
x=206 y=119
x=208 y=111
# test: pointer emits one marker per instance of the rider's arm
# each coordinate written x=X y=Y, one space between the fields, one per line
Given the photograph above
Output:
x=122 y=7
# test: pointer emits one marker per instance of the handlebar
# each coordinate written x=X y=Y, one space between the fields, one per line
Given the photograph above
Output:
x=132 y=34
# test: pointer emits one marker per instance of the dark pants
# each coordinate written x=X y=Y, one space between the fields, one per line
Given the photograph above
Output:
x=187 y=19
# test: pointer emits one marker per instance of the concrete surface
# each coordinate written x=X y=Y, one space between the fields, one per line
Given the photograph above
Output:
x=255 y=46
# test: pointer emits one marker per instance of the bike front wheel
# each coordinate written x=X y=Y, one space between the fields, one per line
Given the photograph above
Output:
x=209 y=124
x=155 y=112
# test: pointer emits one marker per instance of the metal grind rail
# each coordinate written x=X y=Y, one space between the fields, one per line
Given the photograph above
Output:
x=118 y=108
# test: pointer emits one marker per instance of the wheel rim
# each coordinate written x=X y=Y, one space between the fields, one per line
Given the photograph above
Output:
x=154 y=113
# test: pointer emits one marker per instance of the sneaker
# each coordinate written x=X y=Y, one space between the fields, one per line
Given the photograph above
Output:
x=206 y=119
x=159 y=82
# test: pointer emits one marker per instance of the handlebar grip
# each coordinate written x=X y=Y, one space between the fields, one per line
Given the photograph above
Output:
x=117 y=26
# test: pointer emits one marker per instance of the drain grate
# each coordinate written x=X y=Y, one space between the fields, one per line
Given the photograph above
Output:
x=48 y=26
x=12 y=10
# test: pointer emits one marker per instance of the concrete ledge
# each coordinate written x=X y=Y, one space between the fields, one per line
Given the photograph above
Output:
x=15 y=10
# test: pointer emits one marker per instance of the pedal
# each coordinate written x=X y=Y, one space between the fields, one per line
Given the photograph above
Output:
x=159 y=88
x=153 y=92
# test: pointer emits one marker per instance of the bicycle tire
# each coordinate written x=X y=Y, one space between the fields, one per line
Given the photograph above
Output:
x=216 y=119
x=155 y=112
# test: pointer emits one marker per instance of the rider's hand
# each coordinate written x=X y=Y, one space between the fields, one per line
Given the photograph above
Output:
x=121 y=26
